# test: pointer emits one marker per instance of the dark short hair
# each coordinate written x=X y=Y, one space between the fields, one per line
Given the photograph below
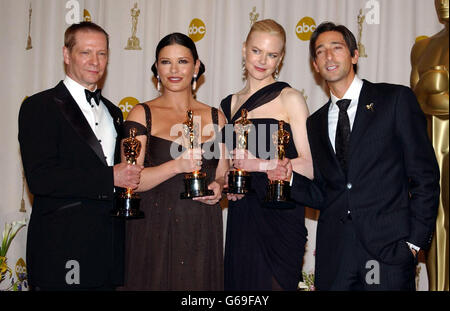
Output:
x=71 y=31
x=181 y=39
x=349 y=38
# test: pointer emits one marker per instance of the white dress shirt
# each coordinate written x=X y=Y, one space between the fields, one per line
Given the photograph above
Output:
x=333 y=113
x=98 y=117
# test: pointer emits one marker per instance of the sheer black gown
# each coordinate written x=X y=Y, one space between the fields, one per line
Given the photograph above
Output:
x=179 y=243
x=264 y=246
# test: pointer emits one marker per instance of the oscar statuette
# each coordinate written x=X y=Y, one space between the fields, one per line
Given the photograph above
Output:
x=239 y=180
x=278 y=192
x=133 y=41
x=430 y=82
x=361 y=47
x=195 y=182
x=127 y=203
x=29 y=45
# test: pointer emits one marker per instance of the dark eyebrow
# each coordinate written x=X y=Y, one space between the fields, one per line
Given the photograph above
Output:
x=178 y=57
x=333 y=42
x=338 y=42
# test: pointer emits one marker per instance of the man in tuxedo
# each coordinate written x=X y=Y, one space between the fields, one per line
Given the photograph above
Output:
x=376 y=179
x=69 y=141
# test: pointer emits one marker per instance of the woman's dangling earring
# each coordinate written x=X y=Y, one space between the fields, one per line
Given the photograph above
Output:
x=194 y=84
x=158 y=86
x=244 y=70
x=276 y=75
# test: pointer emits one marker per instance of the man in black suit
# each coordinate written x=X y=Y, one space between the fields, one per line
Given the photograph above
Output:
x=69 y=140
x=376 y=180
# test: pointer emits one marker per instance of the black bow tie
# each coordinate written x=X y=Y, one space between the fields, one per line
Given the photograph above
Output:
x=95 y=95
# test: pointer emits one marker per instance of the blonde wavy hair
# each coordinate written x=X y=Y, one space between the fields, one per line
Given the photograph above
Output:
x=269 y=26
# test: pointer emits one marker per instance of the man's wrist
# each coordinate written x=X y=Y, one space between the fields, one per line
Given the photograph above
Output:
x=414 y=249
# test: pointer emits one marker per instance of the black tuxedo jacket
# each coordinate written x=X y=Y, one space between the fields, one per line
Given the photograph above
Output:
x=391 y=187
x=73 y=193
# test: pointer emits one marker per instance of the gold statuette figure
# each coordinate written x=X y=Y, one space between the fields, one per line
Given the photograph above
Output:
x=304 y=94
x=429 y=80
x=87 y=16
x=133 y=41
x=361 y=47
x=22 y=201
x=195 y=182
x=278 y=194
x=239 y=180
x=253 y=16
x=29 y=45
x=127 y=204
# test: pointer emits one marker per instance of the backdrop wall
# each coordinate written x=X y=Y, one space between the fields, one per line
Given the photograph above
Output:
x=387 y=29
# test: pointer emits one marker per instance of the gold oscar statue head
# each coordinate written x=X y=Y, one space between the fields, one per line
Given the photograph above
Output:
x=442 y=10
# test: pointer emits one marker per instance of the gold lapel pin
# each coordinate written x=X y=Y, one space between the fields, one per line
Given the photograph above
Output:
x=370 y=107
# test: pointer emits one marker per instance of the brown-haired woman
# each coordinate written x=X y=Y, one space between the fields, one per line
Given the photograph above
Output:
x=179 y=243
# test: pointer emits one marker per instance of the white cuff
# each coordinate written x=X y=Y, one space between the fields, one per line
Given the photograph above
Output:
x=412 y=246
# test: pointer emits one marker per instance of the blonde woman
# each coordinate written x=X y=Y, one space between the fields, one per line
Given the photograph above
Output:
x=265 y=246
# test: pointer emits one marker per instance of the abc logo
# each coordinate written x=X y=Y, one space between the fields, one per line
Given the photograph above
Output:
x=197 y=29
x=305 y=28
x=126 y=105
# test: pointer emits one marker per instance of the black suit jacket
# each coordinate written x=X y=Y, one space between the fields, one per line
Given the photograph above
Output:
x=73 y=193
x=392 y=184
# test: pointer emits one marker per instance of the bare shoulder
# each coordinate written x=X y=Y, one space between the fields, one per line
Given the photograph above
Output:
x=137 y=114
x=292 y=98
x=294 y=104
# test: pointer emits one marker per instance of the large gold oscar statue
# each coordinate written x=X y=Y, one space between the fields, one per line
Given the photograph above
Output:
x=429 y=80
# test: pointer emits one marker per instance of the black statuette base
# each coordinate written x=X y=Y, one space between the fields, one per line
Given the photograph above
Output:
x=195 y=186
x=278 y=195
x=239 y=182
x=127 y=208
